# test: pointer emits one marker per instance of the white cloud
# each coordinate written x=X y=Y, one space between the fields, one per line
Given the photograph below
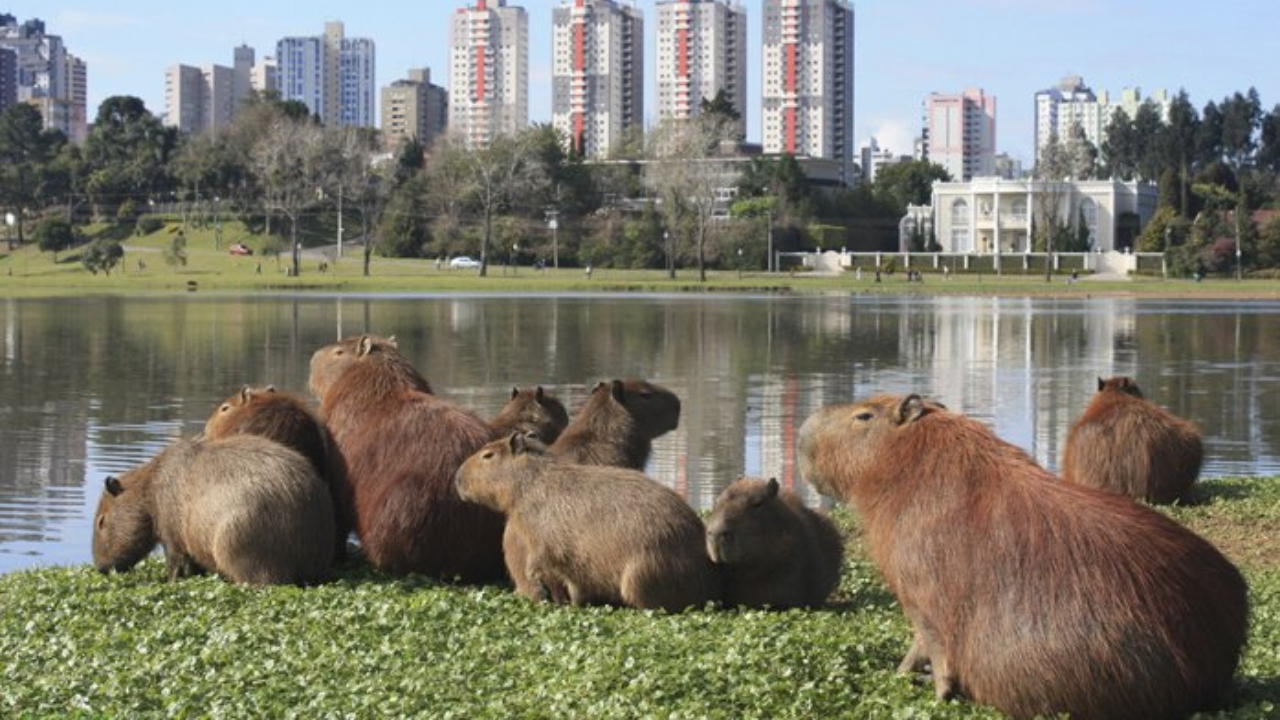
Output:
x=893 y=135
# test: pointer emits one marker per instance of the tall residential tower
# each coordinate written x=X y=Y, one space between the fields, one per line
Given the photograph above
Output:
x=333 y=75
x=807 y=81
x=597 y=73
x=701 y=51
x=488 y=71
x=960 y=133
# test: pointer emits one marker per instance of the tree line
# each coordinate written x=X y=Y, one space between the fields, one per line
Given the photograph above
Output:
x=658 y=202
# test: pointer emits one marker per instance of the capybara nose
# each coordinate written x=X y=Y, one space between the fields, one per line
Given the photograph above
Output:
x=718 y=543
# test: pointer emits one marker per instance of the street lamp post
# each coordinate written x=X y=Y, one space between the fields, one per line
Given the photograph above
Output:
x=768 y=229
x=739 y=263
x=1164 y=259
x=1239 y=270
x=553 y=222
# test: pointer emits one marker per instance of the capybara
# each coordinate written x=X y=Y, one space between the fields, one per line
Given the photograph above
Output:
x=400 y=445
x=245 y=507
x=772 y=550
x=285 y=418
x=532 y=411
x=1029 y=594
x=1132 y=446
x=617 y=424
x=599 y=535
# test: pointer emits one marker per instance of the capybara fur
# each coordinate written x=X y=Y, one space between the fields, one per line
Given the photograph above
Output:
x=1029 y=594
x=1129 y=445
x=245 y=507
x=617 y=424
x=400 y=445
x=286 y=418
x=771 y=550
x=532 y=411
x=599 y=535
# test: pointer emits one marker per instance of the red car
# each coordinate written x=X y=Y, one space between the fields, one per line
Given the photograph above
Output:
x=240 y=249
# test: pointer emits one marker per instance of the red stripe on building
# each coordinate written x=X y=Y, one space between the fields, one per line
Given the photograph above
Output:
x=789 y=115
x=579 y=67
x=682 y=53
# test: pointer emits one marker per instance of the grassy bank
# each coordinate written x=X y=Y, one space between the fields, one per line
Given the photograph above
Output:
x=27 y=272
x=73 y=642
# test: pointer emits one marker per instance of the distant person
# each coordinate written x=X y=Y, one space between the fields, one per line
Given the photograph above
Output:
x=588 y=271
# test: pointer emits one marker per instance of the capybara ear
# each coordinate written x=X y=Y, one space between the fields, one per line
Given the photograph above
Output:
x=537 y=394
x=1101 y=384
x=269 y=388
x=246 y=392
x=910 y=409
x=516 y=443
x=598 y=386
x=113 y=486
x=619 y=391
x=391 y=340
x=515 y=391
x=771 y=488
x=366 y=346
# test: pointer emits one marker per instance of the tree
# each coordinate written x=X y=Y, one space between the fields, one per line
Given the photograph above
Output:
x=907 y=183
x=1121 y=146
x=1208 y=142
x=1081 y=156
x=102 y=254
x=722 y=105
x=1051 y=195
x=1180 y=136
x=1148 y=128
x=1269 y=141
x=495 y=174
x=55 y=234
x=688 y=176
x=127 y=154
x=28 y=168
x=348 y=170
x=1240 y=117
x=284 y=165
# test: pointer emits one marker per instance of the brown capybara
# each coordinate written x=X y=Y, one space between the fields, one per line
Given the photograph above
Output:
x=285 y=418
x=617 y=424
x=600 y=535
x=1132 y=446
x=245 y=507
x=1029 y=594
x=772 y=550
x=400 y=445
x=532 y=411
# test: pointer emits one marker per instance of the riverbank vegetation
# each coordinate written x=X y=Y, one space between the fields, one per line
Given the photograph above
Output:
x=77 y=643
x=686 y=197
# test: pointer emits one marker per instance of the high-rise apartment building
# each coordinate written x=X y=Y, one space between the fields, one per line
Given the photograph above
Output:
x=960 y=133
x=46 y=75
x=597 y=73
x=701 y=51
x=265 y=76
x=1071 y=102
x=333 y=75
x=413 y=108
x=488 y=71
x=807 y=80
x=242 y=69
x=8 y=78
x=199 y=99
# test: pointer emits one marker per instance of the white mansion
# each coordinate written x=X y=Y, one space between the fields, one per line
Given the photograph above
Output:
x=993 y=215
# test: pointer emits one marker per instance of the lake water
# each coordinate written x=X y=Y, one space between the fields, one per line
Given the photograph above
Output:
x=90 y=387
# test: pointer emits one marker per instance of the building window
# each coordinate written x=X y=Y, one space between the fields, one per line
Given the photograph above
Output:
x=960 y=212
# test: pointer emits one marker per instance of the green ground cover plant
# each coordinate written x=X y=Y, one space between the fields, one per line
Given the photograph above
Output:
x=74 y=642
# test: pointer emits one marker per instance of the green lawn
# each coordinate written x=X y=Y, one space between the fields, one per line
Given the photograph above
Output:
x=74 y=642
x=28 y=272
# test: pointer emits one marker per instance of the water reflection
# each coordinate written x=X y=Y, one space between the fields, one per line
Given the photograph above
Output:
x=93 y=387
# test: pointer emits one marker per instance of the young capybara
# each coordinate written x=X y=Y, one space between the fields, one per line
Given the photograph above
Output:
x=400 y=445
x=597 y=535
x=1029 y=594
x=772 y=550
x=245 y=507
x=617 y=424
x=1130 y=445
x=285 y=418
x=532 y=411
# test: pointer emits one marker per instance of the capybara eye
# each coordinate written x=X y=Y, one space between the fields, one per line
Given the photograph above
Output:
x=224 y=408
x=102 y=521
x=488 y=454
x=863 y=416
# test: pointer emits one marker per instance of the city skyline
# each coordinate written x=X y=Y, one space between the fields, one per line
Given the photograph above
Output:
x=902 y=53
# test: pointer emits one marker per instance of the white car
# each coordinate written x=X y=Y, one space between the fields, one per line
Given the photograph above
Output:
x=462 y=261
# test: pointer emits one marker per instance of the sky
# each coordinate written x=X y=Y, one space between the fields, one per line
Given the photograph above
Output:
x=904 y=50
